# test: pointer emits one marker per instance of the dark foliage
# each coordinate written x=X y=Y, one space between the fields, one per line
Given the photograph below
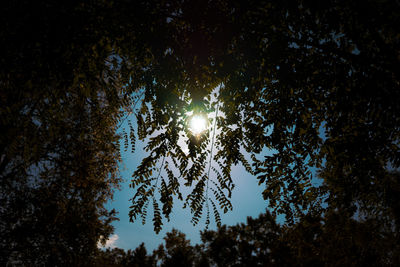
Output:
x=60 y=103
x=119 y=257
x=332 y=240
x=317 y=84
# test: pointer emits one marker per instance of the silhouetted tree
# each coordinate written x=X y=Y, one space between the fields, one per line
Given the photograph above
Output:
x=255 y=243
x=119 y=257
x=177 y=250
x=334 y=239
x=60 y=102
x=315 y=83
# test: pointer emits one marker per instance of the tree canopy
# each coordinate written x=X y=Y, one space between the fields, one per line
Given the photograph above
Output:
x=60 y=104
x=332 y=240
x=315 y=84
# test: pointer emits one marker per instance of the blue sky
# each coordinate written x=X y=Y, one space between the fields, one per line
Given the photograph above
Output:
x=246 y=200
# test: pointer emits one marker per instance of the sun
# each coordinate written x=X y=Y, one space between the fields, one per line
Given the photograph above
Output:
x=197 y=124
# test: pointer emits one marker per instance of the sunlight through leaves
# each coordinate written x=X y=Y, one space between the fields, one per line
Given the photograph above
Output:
x=197 y=124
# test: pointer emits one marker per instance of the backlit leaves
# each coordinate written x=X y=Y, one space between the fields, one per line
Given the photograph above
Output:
x=300 y=92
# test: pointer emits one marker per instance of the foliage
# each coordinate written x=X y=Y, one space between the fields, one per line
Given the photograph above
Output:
x=256 y=243
x=60 y=102
x=315 y=84
x=332 y=240
x=177 y=250
x=120 y=257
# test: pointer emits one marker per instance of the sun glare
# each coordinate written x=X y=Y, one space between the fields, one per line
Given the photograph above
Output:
x=198 y=124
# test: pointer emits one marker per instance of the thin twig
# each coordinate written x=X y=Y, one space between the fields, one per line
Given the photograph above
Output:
x=211 y=151
x=134 y=105
x=159 y=173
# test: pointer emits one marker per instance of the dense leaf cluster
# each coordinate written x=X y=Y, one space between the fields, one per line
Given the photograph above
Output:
x=315 y=85
x=60 y=102
x=314 y=241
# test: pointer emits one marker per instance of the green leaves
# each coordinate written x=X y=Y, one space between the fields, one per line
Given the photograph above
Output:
x=308 y=99
x=132 y=137
x=300 y=94
x=157 y=217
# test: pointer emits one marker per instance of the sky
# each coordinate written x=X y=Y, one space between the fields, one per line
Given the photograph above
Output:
x=246 y=200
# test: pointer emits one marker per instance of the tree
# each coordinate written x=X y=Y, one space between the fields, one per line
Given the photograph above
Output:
x=298 y=78
x=337 y=240
x=329 y=240
x=60 y=104
x=258 y=242
x=316 y=84
x=177 y=251
x=120 y=257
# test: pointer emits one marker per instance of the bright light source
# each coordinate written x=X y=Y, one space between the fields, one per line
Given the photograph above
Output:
x=197 y=124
